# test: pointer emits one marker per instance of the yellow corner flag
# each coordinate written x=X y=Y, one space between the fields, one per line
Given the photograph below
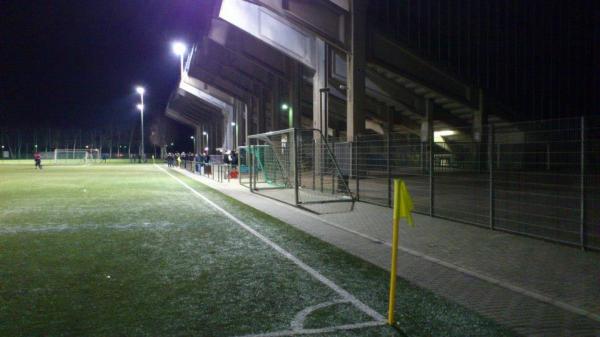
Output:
x=403 y=206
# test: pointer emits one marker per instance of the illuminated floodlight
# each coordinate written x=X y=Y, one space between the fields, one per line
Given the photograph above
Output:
x=140 y=90
x=438 y=136
x=140 y=107
x=204 y=133
x=232 y=123
x=192 y=137
x=444 y=133
x=179 y=48
x=284 y=106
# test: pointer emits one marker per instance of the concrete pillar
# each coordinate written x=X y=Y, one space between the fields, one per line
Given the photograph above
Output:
x=479 y=132
x=295 y=95
x=428 y=132
x=275 y=105
x=260 y=106
x=320 y=84
x=479 y=120
x=199 y=138
x=356 y=64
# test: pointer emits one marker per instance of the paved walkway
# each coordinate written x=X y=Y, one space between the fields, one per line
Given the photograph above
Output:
x=534 y=287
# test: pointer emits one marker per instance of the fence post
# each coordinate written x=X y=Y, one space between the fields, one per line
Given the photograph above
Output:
x=250 y=164
x=296 y=173
x=388 y=140
x=356 y=175
x=582 y=234
x=491 y=175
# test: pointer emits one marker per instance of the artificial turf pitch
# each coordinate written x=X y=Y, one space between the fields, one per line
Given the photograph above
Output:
x=128 y=250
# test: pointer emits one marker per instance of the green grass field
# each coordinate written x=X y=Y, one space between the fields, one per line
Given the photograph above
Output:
x=128 y=250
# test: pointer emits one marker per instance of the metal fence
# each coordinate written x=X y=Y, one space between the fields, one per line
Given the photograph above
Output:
x=539 y=178
x=215 y=169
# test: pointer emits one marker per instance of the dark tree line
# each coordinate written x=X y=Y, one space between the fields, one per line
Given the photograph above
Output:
x=114 y=140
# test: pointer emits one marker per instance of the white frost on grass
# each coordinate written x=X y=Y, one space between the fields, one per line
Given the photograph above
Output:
x=31 y=228
x=314 y=273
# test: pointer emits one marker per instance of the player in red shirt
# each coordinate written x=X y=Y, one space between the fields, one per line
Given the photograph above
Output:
x=38 y=160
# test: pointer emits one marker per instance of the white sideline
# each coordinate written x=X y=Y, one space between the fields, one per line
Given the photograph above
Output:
x=343 y=293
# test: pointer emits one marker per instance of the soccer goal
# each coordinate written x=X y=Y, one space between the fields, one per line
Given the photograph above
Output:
x=76 y=156
x=296 y=166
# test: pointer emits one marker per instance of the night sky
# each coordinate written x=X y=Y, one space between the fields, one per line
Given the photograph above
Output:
x=75 y=63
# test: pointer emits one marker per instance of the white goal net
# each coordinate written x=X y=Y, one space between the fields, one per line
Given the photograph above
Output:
x=76 y=156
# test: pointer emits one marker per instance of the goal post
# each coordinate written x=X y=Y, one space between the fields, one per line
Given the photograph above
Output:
x=296 y=166
x=76 y=156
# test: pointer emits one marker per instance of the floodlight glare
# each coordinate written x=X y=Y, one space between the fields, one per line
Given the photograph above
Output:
x=179 y=48
x=284 y=106
x=191 y=137
x=444 y=133
x=204 y=133
x=232 y=123
x=140 y=90
x=140 y=107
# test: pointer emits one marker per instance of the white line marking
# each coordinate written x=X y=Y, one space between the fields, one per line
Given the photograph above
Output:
x=343 y=293
x=525 y=292
x=319 y=331
x=298 y=322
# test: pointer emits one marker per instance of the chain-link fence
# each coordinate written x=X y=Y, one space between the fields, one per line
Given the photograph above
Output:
x=538 y=178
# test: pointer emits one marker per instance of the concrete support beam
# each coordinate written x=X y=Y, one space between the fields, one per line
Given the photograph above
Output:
x=479 y=120
x=320 y=85
x=356 y=65
x=295 y=95
x=260 y=110
x=275 y=104
x=198 y=139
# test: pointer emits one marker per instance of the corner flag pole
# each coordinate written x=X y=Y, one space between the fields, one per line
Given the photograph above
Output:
x=395 y=224
x=403 y=207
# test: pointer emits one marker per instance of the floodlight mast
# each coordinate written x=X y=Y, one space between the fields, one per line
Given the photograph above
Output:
x=140 y=90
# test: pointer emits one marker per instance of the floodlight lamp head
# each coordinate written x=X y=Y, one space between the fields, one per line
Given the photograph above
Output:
x=232 y=123
x=204 y=133
x=284 y=106
x=179 y=48
x=191 y=137
x=140 y=90
x=140 y=107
